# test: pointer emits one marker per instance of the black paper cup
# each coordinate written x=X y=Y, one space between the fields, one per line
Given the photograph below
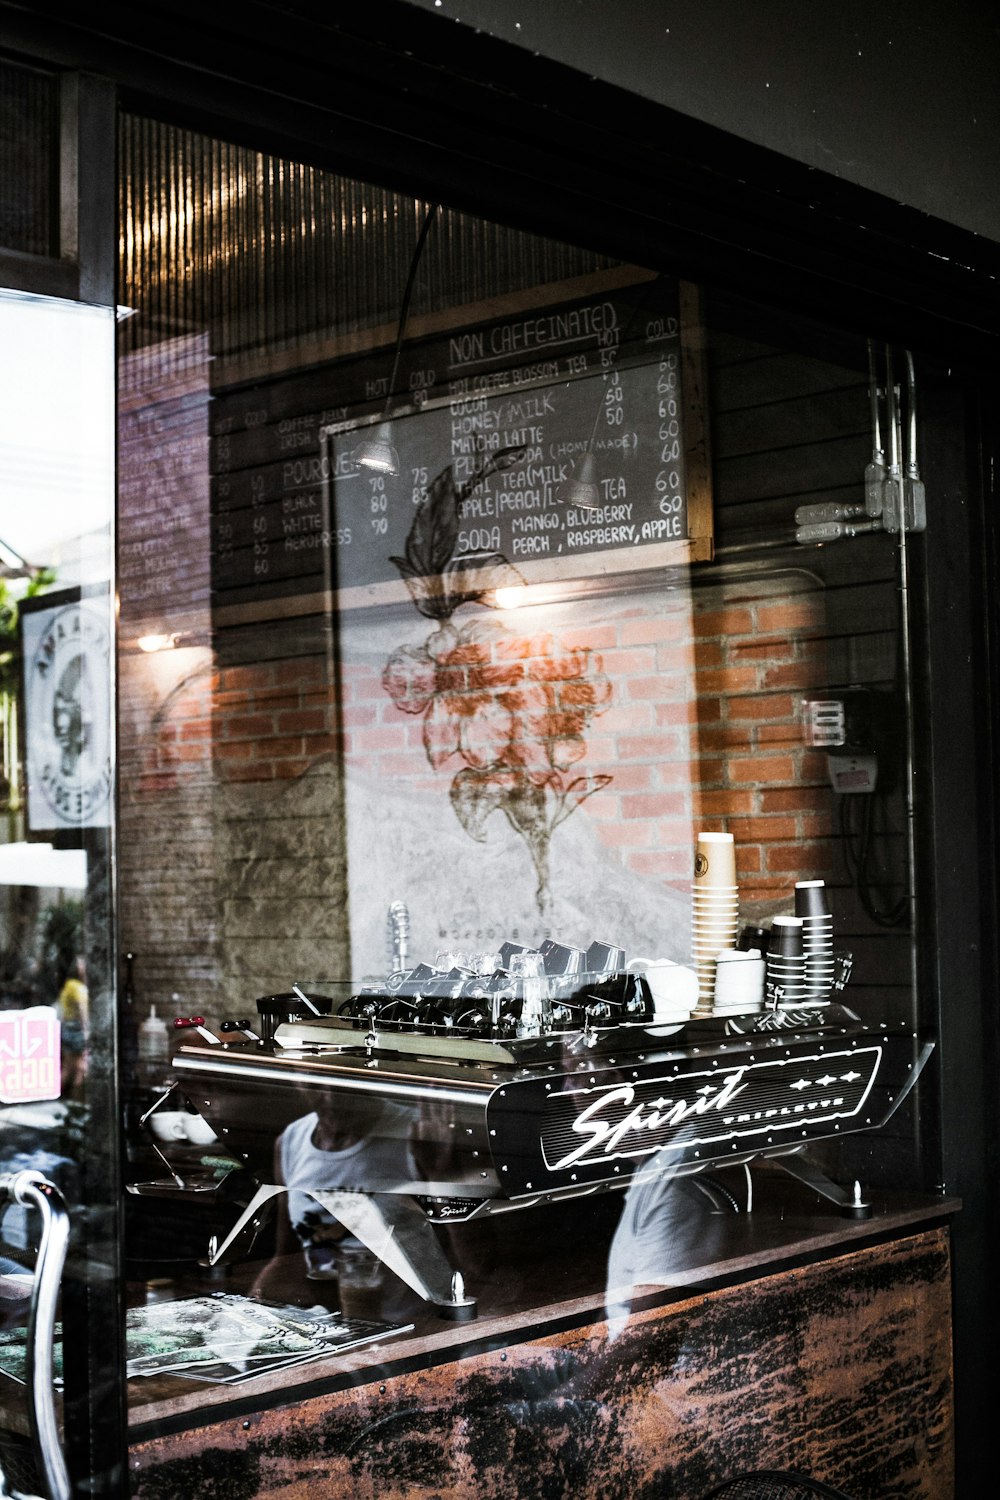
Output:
x=811 y=899
x=786 y=978
x=786 y=937
x=754 y=937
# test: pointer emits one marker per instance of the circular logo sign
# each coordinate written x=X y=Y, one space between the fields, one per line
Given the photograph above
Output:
x=69 y=720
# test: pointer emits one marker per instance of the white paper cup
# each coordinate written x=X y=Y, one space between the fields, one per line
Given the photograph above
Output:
x=715 y=859
x=739 y=982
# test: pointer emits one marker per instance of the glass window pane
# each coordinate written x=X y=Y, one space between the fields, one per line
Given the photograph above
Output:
x=28 y=160
x=461 y=595
x=57 y=979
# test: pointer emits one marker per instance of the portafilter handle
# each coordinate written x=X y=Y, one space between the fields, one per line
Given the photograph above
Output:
x=196 y=1023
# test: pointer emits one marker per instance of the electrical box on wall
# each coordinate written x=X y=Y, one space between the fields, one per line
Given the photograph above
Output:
x=844 y=722
x=852 y=773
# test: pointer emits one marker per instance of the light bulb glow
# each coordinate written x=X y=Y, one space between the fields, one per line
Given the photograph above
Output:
x=512 y=598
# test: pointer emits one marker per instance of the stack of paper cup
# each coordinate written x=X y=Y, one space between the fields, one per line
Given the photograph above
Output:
x=739 y=982
x=715 y=908
x=813 y=906
x=786 y=964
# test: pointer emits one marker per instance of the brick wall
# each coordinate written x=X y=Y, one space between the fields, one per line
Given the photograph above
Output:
x=271 y=719
x=699 y=725
x=168 y=908
x=759 y=651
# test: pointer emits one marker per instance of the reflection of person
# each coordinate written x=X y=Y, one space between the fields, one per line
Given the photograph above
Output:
x=668 y=1224
x=73 y=1009
x=357 y=1143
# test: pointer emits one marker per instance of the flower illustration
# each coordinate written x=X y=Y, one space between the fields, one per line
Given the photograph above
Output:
x=515 y=710
x=438 y=581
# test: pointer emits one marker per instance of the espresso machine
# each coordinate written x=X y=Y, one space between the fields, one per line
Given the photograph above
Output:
x=555 y=1076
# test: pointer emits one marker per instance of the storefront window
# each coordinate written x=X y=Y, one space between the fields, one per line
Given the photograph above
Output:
x=57 y=982
x=467 y=581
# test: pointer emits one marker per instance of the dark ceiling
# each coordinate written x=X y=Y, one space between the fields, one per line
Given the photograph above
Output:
x=386 y=92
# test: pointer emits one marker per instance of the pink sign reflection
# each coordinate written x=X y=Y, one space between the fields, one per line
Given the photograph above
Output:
x=29 y=1055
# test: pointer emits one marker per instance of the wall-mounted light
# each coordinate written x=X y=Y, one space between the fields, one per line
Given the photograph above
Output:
x=377 y=453
x=543 y=594
x=157 y=642
x=170 y=640
x=582 y=487
x=512 y=598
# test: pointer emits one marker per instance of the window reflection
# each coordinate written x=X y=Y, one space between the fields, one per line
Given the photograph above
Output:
x=57 y=982
x=457 y=687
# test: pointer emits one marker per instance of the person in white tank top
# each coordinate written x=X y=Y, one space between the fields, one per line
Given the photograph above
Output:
x=363 y=1148
x=361 y=1144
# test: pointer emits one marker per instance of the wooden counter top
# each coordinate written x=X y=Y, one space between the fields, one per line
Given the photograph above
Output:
x=533 y=1273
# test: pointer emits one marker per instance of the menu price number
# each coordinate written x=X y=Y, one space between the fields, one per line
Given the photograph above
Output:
x=614 y=401
x=224 y=544
x=419 y=480
x=668 y=483
x=378 y=503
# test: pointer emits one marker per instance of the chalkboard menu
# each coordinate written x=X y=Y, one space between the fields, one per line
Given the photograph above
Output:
x=497 y=414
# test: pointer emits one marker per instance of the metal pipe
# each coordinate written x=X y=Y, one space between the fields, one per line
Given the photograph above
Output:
x=892 y=416
x=909 y=774
x=912 y=468
x=398 y=935
x=878 y=451
x=875 y=472
x=31 y=1189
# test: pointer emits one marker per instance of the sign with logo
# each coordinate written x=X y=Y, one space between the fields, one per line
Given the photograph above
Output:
x=29 y=1055
x=615 y=1121
x=68 y=713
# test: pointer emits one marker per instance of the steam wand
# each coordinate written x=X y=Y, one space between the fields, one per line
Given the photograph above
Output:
x=398 y=936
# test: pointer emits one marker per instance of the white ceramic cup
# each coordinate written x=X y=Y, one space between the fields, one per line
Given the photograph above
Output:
x=180 y=1125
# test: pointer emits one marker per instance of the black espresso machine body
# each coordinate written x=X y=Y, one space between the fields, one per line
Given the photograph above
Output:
x=486 y=1124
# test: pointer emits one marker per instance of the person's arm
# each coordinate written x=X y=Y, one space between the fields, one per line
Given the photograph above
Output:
x=285 y=1240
